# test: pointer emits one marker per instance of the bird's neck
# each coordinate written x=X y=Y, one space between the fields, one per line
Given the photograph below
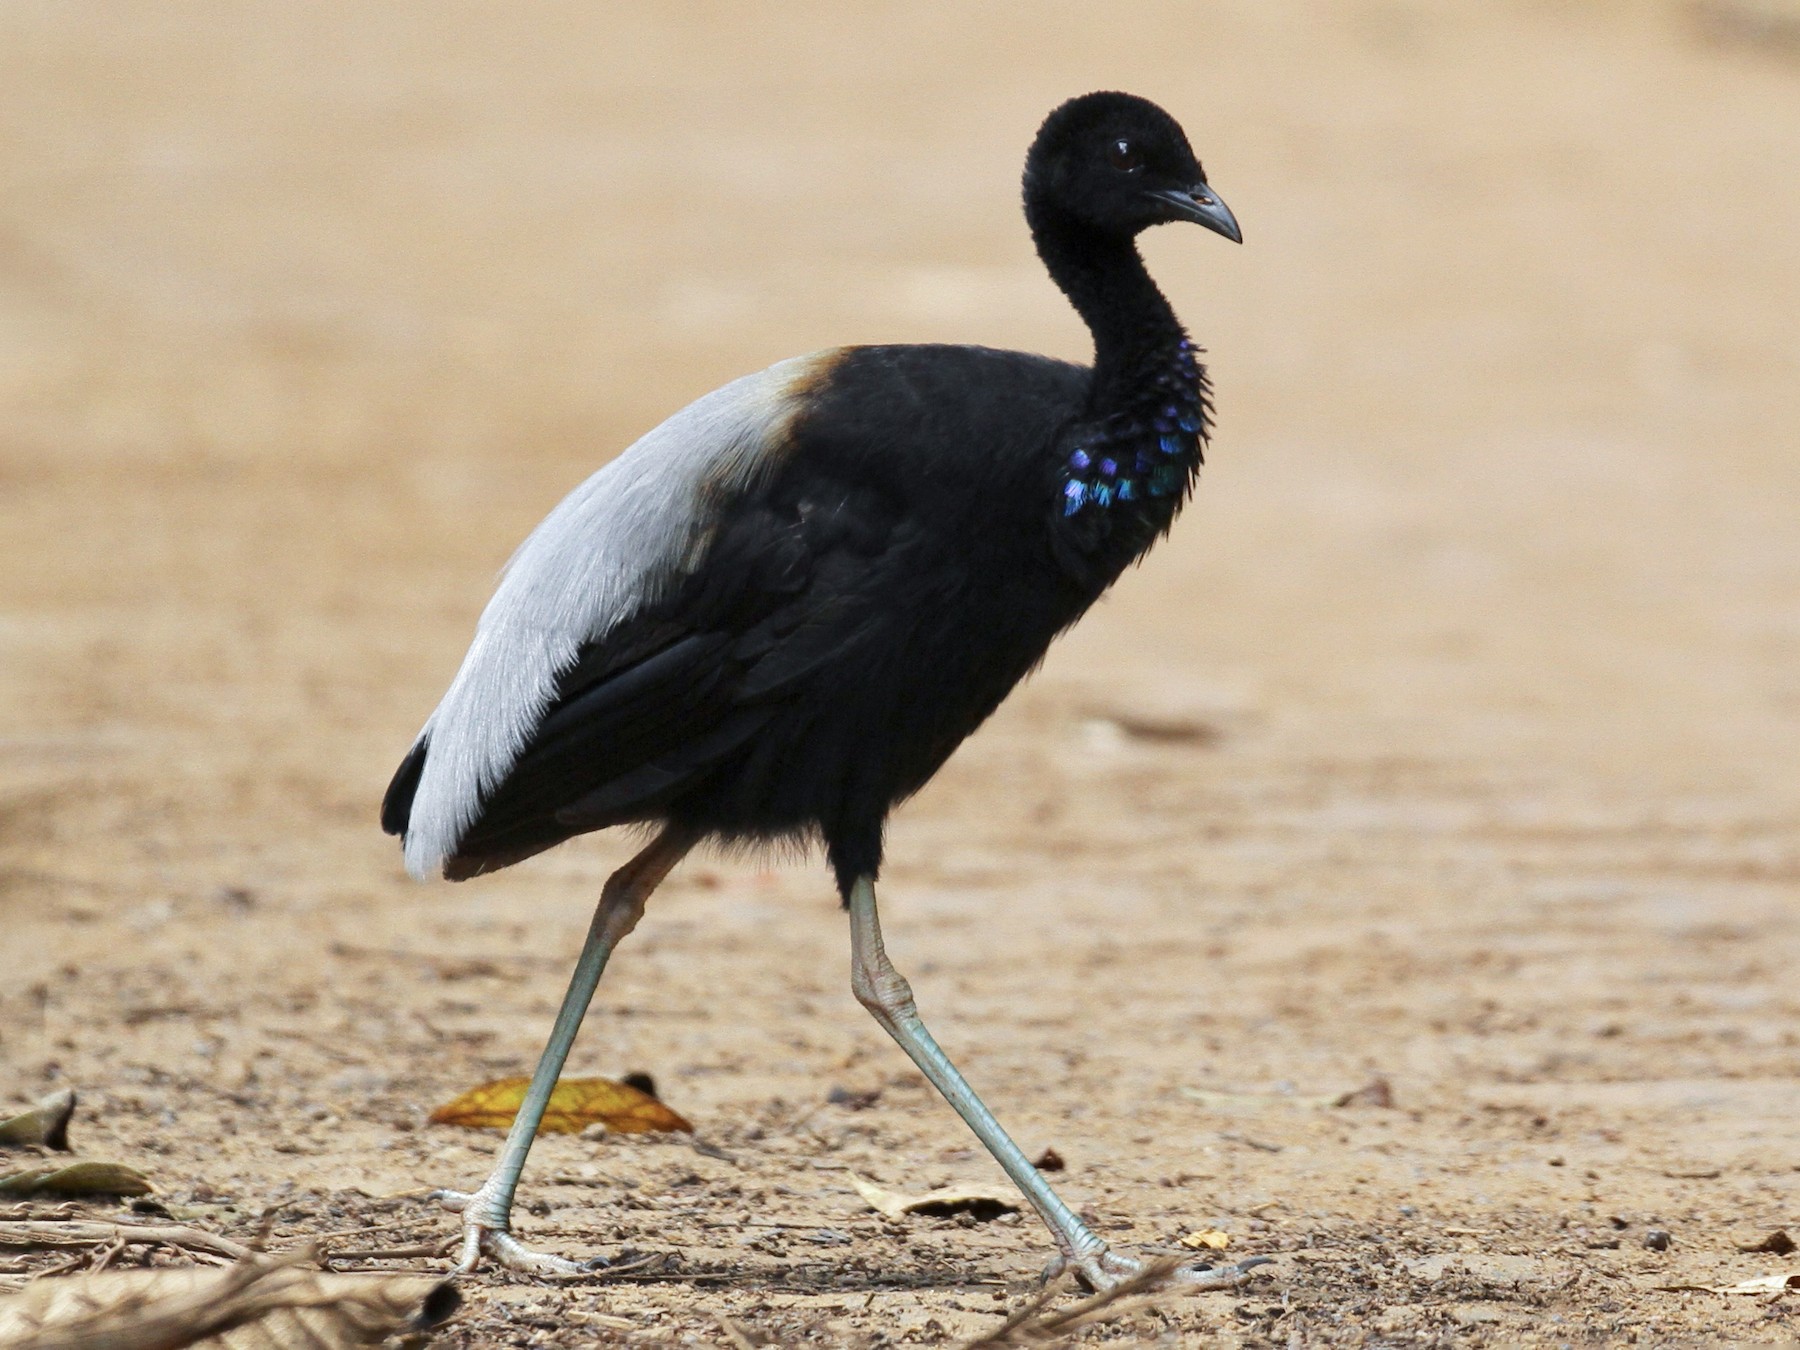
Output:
x=1127 y=464
x=1136 y=334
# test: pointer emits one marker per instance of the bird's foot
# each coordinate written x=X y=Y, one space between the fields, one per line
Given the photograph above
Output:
x=486 y=1226
x=1104 y=1270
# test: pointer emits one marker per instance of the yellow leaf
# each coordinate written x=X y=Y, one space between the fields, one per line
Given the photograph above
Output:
x=575 y=1103
x=1209 y=1239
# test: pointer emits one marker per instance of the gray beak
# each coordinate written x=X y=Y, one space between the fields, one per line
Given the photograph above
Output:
x=1203 y=206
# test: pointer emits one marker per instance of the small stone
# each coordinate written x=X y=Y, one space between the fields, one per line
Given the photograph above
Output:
x=1658 y=1239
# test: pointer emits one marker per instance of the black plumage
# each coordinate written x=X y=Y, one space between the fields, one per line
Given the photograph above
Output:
x=916 y=527
x=911 y=559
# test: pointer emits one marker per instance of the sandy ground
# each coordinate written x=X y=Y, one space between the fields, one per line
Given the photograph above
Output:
x=1451 y=741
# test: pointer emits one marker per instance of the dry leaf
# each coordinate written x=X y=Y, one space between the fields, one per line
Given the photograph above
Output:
x=255 y=1305
x=82 y=1178
x=1256 y=1101
x=575 y=1103
x=1207 y=1239
x=47 y=1123
x=985 y=1202
x=1762 y=1284
x=1162 y=730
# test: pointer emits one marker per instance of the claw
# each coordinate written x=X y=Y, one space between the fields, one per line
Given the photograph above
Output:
x=485 y=1234
x=510 y=1253
x=454 y=1201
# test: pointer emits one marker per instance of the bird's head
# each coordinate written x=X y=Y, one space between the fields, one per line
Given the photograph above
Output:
x=1119 y=164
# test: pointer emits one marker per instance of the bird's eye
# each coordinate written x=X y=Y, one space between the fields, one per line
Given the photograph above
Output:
x=1124 y=156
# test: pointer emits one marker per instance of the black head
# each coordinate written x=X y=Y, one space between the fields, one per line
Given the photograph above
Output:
x=1119 y=164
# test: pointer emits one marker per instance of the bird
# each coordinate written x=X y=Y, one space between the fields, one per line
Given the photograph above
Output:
x=774 y=617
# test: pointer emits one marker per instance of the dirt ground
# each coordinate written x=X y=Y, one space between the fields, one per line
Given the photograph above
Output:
x=1451 y=741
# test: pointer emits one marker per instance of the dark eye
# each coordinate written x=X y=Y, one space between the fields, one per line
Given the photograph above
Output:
x=1124 y=156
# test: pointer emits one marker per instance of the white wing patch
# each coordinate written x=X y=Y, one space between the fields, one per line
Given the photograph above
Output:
x=620 y=541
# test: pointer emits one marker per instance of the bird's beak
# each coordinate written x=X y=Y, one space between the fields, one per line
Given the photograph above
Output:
x=1203 y=206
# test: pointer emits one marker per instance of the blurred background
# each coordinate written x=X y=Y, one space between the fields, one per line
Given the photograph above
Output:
x=1483 y=633
x=312 y=311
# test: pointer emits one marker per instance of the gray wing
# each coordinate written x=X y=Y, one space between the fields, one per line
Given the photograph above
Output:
x=621 y=542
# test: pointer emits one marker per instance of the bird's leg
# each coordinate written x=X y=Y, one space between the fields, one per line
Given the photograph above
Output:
x=487 y=1211
x=889 y=998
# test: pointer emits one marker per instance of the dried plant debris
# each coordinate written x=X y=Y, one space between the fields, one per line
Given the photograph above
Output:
x=1376 y=1092
x=256 y=1304
x=1160 y=730
x=984 y=1202
x=45 y=1125
x=575 y=1104
x=1776 y=1284
x=1034 y=1324
x=81 y=1178
x=1777 y=1243
x=47 y=1234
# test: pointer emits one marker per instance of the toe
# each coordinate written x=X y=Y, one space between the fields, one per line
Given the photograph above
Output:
x=1207 y=1276
x=515 y=1255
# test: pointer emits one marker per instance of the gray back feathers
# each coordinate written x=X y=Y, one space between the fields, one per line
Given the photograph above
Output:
x=622 y=540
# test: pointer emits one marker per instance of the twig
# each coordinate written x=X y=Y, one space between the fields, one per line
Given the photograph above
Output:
x=1261 y=1145
x=39 y=1234
x=390 y=1253
x=19 y=1213
x=366 y=1229
x=626 y=1267
x=1027 y=1327
x=1002 y=1334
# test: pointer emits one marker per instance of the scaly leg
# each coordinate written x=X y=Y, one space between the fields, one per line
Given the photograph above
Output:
x=487 y=1212
x=886 y=994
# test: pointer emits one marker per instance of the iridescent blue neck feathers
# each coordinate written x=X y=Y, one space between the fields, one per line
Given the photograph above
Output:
x=1147 y=450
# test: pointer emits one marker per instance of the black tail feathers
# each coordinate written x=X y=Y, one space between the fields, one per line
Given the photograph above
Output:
x=396 y=807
